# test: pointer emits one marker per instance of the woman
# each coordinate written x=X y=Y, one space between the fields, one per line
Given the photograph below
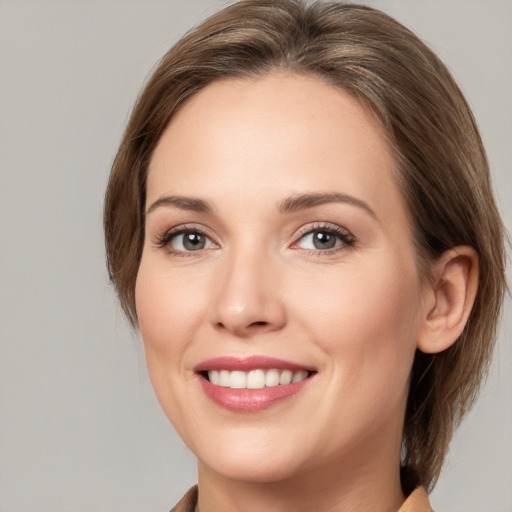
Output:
x=300 y=222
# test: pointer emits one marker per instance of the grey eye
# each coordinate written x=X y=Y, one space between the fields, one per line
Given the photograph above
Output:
x=320 y=240
x=190 y=241
x=323 y=240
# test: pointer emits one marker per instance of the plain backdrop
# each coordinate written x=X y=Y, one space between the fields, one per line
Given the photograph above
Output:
x=80 y=429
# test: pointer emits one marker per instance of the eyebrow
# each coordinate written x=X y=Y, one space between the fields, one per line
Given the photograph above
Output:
x=183 y=203
x=305 y=201
x=291 y=204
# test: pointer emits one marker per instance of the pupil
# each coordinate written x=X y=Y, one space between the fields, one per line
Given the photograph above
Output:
x=324 y=240
x=193 y=241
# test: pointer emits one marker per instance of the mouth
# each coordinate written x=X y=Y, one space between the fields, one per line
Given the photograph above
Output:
x=251 y=384
x=254 y=379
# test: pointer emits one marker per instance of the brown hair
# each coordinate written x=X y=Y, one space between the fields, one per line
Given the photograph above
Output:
x=443 y=170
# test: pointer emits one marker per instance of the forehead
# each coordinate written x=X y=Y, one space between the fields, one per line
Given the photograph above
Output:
x=271 y=137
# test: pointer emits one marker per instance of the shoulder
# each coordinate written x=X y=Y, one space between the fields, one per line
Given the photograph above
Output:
x=417 y=502
x=188 y=502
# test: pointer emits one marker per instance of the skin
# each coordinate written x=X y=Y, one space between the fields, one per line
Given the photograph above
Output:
x=355 y=313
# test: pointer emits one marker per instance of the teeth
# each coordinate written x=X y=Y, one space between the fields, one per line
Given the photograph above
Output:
x=255 y=379
x=214 y=377
x=224 y=378
x=298 y=376
x=286 y=377
x=238 y=380
x=272 y=378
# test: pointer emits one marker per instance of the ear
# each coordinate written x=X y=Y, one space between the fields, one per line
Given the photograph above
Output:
x=449 y=299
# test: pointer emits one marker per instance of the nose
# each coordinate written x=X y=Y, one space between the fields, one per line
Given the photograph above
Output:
x=248 y=299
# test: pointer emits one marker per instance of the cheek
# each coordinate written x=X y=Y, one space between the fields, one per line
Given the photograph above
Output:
x=374 y=300
x=168 y=309
x=368 y=323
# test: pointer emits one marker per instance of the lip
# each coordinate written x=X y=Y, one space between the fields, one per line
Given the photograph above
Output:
x=250 y=400
x=249 y=363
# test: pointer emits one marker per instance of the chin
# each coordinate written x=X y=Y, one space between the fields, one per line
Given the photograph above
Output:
x=263 y=462
x=248 y=470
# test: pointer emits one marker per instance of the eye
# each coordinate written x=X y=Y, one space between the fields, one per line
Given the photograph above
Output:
x=190 y=241
x=325 y=238
x=185 y=240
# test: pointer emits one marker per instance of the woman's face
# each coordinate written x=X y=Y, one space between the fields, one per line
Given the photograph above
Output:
x=278 y=246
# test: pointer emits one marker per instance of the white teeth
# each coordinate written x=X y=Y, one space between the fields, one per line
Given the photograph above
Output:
x=272 y=378
x=238 y=380
x=286 y=377
x=255 y=379
x=224 y=379
x=214 y=377
x=298 y=376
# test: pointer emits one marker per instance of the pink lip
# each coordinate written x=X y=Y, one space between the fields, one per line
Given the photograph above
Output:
x=249 y=400
x=249 y=363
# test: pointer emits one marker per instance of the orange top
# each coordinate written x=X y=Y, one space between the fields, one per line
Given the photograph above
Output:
x=416 y=502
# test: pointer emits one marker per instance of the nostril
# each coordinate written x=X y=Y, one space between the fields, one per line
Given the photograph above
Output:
x=255 y=324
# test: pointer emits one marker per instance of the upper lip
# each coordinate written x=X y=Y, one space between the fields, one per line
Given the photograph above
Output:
x=249 y=363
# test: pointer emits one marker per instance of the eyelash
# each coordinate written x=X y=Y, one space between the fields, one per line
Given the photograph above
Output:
x=165 y=239
x=346 y=238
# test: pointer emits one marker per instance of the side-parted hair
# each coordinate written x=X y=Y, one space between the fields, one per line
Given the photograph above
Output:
x=441 y=166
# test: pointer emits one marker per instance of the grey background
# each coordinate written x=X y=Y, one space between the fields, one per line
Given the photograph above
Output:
x=80 y=429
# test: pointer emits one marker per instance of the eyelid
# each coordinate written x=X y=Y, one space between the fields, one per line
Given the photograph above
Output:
x=346 y=237
x=319 y=225
x=163 y=238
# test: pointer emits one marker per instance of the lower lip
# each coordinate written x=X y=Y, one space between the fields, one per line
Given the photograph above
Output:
x=250 y=400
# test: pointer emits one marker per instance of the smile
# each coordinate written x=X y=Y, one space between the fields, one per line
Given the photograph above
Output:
x=251 y=384
x=255 y=379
